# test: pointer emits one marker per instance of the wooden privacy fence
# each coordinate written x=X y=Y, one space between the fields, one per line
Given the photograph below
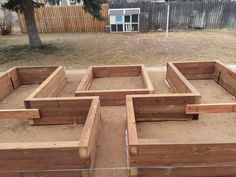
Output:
x=184 y=14
x=65 y=19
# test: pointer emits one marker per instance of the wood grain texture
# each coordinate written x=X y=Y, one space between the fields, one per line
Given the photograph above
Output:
x=177 y=81
x=196 y=69
x=153 y=157
x=116 y=71
x=57 y=155
x=65 y=19
x=225 y=77
x=88 y=139
x=34 y=74
x=86 y=80
x=6 y=86
x=51 y=155
x=187 y=171
x=14 y=76
x=52 y=85
x=211 y=108
x=172 y=154
x=60 y=110
x=131 y=126
x=19 y=114
x=159 y=107
x=114 y=97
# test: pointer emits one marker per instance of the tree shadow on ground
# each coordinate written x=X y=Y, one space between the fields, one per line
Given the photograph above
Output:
x=18 y=52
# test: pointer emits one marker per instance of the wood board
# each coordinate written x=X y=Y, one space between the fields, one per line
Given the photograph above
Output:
x=114 y=97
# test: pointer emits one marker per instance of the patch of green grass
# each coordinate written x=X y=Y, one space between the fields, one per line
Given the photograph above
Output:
x=3 y=42
x=17 y=52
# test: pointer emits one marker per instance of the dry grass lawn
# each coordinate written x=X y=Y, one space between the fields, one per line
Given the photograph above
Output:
x=79 y=50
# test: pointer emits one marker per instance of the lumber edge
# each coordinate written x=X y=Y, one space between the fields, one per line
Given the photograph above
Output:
x=19 y=114
x=211 y=108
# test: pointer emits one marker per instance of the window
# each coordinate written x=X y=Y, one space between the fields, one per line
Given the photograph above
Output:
x=113 y=28
x=120 y=28
x=134 y=27
x=131 y=22
x=135 y=18
x=127 y=18
x=116 y=22
x=119 y=19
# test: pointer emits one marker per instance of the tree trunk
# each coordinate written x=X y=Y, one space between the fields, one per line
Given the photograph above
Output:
x=32 y=30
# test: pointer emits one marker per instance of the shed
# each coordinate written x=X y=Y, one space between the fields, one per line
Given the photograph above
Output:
x=124 y=20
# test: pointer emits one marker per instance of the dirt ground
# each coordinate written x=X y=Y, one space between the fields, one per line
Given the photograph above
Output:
x=20 y=131
x=79 y=50
x=111 y=146
x=212 y=92
x=115 y=83
x=209 y=127
x=15 y=100
x=72 y=83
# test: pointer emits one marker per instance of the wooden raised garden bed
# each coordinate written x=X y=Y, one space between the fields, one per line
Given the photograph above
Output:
x=113 y=95
x=152 y=157
x=201 y=156
x=16 y=78
x=210 y=70
x=43 y=107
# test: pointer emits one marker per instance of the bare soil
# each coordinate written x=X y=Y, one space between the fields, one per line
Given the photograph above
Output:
x=72 y=83
x=14 y=131
x=212 y=92
x=20 y=131
x=111 y=147
x=16 y=99
x=159 y=82
x=209 y=127
x=115 y=83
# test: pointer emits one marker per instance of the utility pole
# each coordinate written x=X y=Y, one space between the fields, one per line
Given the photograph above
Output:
x=167 y=18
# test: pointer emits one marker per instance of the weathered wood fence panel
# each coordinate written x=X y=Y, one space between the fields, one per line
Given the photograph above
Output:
x=65 y=19
x=185 y=14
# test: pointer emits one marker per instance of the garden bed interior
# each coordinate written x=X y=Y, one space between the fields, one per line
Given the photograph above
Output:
x=17 y=83
x=15 y=99
x=21 y=86
x=23 y=132
x=18 y=130
x=69 y=143
x=113 y=83
x=209 y=127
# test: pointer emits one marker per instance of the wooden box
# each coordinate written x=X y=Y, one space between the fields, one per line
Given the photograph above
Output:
x=57 y=155
x=151 y=157
x=116 y=96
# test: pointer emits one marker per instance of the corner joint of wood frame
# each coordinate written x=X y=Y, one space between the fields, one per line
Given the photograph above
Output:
x=133 y=150
x=83 y=152
x=85 y=173
x=133 y=172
